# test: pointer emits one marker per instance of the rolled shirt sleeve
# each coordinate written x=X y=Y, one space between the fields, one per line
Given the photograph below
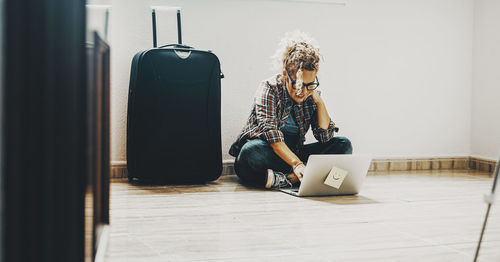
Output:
x=266 y=101
x=323 y=135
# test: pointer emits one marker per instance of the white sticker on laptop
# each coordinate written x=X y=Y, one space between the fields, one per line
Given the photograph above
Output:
x=336 y=177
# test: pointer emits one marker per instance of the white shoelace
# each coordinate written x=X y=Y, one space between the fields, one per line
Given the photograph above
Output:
x=282 y=178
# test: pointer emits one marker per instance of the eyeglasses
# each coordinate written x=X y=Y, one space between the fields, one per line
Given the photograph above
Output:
x=309 y=86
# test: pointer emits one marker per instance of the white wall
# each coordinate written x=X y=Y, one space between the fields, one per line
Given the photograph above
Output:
x=96 y=18
x=486 y=80
x=396 y=77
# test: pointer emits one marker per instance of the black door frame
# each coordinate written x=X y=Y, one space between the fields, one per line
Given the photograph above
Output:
x=43 y=140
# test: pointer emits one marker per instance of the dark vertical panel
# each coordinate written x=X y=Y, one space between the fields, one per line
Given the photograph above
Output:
x=99 y=101
x=106 y=131
x=44 y=130
x=1 y=121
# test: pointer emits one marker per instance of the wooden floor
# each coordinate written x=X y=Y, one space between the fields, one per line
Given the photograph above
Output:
x=398 y=216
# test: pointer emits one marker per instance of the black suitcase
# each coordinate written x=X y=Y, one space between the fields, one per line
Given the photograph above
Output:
x=174 y=114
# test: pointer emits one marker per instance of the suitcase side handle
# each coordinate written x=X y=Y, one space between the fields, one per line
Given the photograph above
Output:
x=153 y=16
x=177 y=45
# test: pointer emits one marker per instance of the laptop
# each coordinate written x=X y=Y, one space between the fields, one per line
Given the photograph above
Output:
x=351 y=168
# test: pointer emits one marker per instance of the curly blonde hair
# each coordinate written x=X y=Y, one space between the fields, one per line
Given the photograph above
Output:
x=297 y=51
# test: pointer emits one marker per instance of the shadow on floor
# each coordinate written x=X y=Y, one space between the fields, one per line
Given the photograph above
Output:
x=343 y=200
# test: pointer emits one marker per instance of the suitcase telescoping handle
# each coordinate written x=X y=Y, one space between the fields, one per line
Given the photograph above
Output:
x=153 y=15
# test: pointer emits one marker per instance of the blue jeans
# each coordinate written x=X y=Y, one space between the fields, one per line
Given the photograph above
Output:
x=256 y=156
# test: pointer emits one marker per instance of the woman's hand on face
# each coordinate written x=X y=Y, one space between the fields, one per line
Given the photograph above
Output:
x=316 y=97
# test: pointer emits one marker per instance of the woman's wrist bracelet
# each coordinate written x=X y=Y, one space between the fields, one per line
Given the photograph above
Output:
x=298 y=164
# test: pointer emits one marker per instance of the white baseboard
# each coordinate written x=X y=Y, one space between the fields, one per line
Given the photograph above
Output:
x=384 y=163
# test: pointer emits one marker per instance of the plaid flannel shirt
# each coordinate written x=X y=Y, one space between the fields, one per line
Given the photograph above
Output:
x=270 y=111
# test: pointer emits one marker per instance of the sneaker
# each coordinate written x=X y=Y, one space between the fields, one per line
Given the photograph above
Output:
x=279 y=180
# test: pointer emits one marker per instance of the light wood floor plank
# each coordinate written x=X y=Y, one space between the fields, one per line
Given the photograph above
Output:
x=398 y=216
